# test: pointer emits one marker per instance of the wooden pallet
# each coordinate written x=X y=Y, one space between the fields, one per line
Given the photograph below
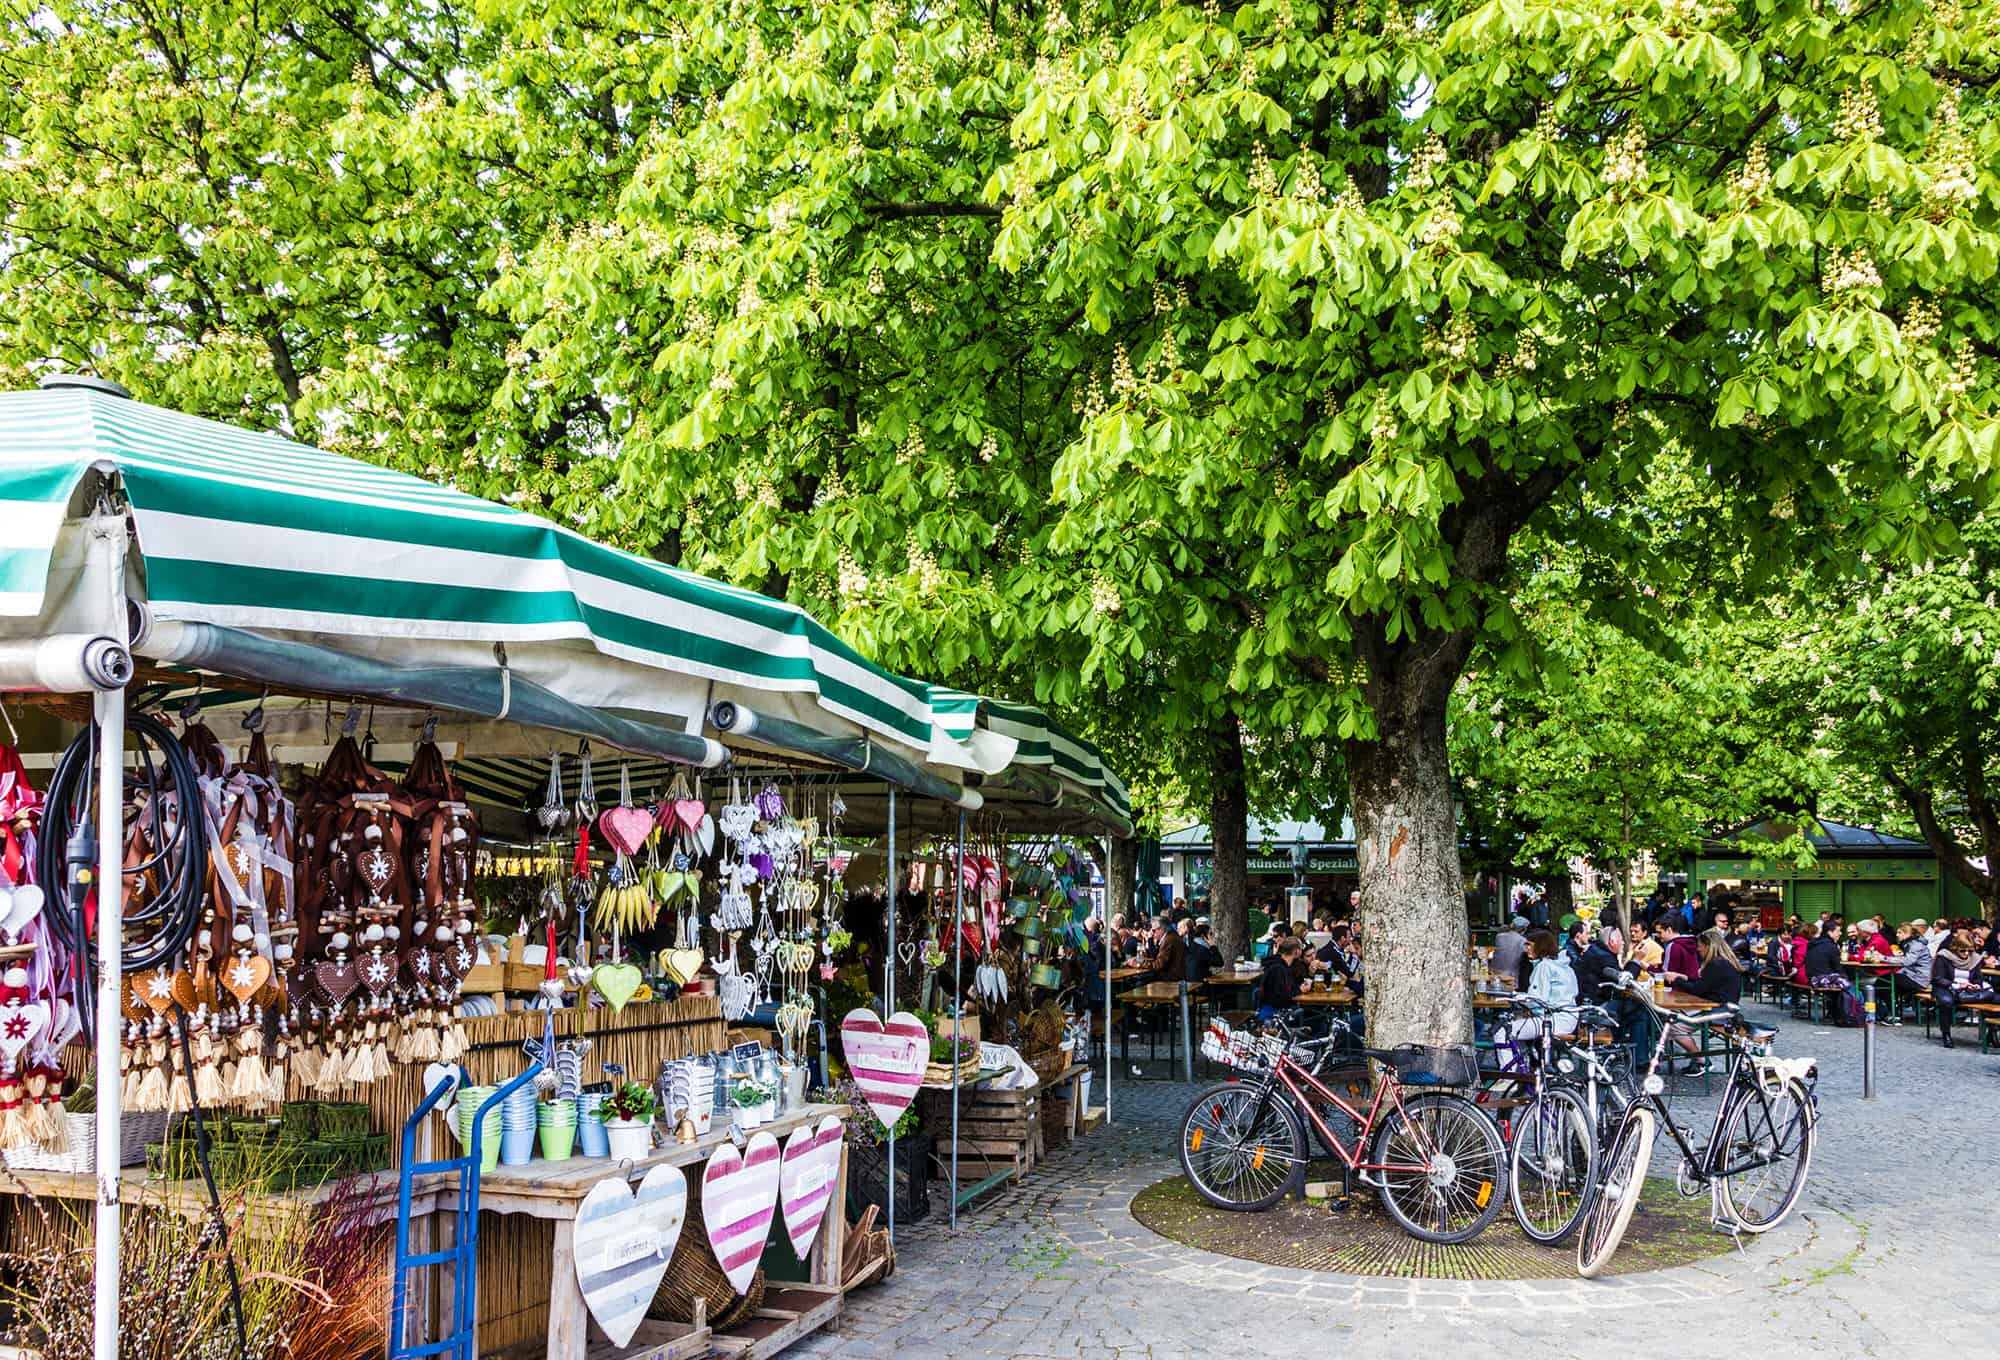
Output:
x=790 y=1312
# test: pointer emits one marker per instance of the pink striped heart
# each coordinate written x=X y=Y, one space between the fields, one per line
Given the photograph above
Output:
x=739 y=1194
x=805 y=1181
x=886 y=1061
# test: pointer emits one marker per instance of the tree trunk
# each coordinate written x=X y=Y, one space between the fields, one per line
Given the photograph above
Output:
x=1121 y=868
x=1412 y=897
x=1228 y=821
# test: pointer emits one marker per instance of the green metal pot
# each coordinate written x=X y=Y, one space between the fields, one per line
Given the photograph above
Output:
x=1031 y=928
x=1045 y=975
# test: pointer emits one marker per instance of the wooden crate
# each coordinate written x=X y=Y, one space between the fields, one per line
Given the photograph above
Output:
x=789 y=1313
x=997 y=1131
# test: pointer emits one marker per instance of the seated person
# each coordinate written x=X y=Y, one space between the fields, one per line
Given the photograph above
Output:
x=1341 y=961
x=1203 y=958
x=1278 y=989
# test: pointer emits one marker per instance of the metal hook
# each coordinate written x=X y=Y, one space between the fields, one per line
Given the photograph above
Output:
x=351 y=724
x=253 y=721
x=16 y=736
x=191 y=710
x=430 y=729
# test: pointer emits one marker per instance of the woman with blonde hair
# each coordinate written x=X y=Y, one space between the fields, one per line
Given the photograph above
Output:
x=1720 y=983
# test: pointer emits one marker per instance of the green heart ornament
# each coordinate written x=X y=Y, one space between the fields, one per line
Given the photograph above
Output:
x=616 y=983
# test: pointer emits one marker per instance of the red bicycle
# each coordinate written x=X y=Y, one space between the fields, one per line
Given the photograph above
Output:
x=1436 y=1159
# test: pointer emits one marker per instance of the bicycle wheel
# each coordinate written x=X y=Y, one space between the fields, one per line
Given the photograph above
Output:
x=1241 y=1147
x=1622 y=1177
x=1760 y=1197
x=1459 y=1188
x=1552 y=1165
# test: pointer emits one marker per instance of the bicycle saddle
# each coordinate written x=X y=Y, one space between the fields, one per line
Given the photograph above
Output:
x=1756 y=1033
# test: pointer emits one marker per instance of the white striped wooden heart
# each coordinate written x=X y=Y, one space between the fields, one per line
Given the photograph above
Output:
x=886 y=1060
x=624 y=1239
x=805 y=1182
x=739 y=1194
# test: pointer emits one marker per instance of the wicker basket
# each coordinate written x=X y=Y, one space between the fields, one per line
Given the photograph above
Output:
x=939 y=1074
x=1048 y=1066
x=134 y=1132
x=693 y=1273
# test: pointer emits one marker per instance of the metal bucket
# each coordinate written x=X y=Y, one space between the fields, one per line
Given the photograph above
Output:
x=1045 y=975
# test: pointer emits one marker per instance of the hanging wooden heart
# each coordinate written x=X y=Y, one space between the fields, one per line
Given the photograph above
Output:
x=156 y=990
x=704 y=836
x=624 y=1239
x=616 y=983
x=805 y=1182
x=886 y=1060
x=336 y=981
x=739 y=1195
x=681 y=964
x=24 y=904
x=21 y=1023
x=688 y=813
x=626 y=828
x=244 y=977
x=184 y=994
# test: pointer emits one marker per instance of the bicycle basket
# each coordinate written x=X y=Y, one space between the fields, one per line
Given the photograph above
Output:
x=1434 y=1065
x=1239 y=1048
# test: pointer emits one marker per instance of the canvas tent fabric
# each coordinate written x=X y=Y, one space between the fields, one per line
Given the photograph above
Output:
x=248 y=530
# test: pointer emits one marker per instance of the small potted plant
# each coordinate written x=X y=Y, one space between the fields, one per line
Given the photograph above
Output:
x=752 y=1103
x=627 y=1115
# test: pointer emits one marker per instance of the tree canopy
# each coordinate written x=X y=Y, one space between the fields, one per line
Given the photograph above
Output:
x=1215 y=355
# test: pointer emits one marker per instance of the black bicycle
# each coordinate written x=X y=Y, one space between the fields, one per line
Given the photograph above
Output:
x=1758 y=1153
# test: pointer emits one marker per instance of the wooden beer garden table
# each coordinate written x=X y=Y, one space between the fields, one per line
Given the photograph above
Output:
x=1159 y=994
x=1881 y=967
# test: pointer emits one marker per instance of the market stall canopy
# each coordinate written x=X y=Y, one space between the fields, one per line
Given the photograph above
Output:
x=252 y=549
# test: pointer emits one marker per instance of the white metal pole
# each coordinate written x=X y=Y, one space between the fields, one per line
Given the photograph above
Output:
x=1107 y=992
x=108 y=546
x=958 y=994
x=889 y=999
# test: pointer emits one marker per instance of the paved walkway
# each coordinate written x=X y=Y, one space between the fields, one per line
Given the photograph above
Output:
x=1890 y=1253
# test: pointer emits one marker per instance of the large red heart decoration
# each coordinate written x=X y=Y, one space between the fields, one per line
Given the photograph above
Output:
x=626 y=828
x=886 y=1060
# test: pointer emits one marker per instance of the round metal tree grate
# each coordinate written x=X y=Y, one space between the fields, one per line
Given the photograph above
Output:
x=1361 y=1239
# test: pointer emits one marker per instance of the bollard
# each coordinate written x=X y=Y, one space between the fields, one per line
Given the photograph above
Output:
x=1868 y=1052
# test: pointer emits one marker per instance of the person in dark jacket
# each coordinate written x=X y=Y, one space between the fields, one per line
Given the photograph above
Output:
x=1822 y=955
x=1340 y=959
x=1720 y=982
x=1203 y=958
x=1277 y=990
x=1598 y=964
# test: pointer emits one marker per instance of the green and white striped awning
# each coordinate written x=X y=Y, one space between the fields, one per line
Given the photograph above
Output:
x=252 y=531
x=1038 y=743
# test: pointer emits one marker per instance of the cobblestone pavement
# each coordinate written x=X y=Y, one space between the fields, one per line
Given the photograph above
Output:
x=1890 y=1253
